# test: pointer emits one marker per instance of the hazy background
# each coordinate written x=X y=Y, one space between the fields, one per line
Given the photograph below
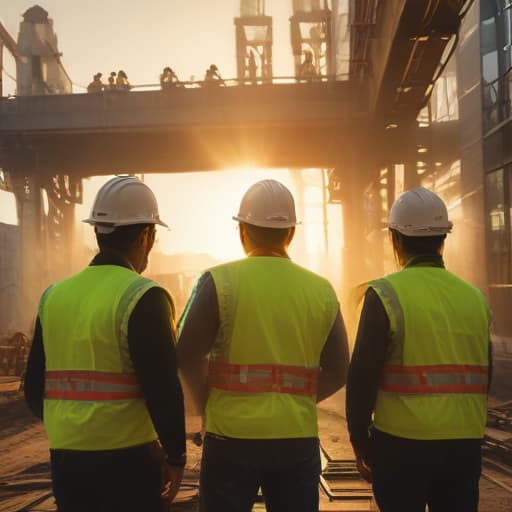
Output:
x=141 y=38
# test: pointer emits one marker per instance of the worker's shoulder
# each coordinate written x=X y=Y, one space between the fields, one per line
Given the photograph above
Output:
x=282 y=267
x=228 y=264
x=153 y=288
x=311 y=281
x=470 y=287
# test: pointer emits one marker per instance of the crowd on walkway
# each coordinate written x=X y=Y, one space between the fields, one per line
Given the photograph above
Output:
x=168 y=80
x=115 y=82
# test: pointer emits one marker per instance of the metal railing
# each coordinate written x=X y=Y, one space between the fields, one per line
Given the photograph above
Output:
x=205 y=84
x=497 y=101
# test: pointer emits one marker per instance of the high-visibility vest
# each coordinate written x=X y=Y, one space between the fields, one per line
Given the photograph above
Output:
x=275 y=317
x=434 y=382
x=92 y=396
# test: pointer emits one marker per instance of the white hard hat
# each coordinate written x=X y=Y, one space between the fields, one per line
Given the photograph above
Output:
x=419 y=212
x=268 y=204
x=123 y=201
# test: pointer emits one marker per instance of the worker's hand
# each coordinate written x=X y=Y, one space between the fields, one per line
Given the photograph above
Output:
x=171 y=487
x=363 y=467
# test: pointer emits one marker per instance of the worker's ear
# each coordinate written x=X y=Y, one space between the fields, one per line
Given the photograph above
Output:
x=150 y=235
x=145 y=238
x=291 y=234
x=244 y=237
x=242 y=233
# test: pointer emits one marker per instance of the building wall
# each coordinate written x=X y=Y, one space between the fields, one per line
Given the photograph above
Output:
x=470 y=225
x=10 y=279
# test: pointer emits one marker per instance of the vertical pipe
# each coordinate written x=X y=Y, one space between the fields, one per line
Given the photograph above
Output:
x=323 y=173
x=1 y=69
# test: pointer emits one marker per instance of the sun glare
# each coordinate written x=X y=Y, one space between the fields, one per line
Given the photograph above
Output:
x=199 y=209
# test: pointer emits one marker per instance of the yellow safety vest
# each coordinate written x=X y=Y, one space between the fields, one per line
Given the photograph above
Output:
x=434 y=383
x=92 y=397
x=275 y=317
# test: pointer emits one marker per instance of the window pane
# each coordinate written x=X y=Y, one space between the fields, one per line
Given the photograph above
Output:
x=488 y=40
x=497 y=226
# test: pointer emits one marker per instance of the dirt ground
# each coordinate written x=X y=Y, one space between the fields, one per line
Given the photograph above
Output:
x=24 y=468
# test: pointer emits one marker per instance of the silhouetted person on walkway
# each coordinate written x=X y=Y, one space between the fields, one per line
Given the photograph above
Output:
x=212 y=76
x=168 y=78
x=112 y=81
x=252 y=68
x=122 y=83
x=307 y=69
x=96 y=85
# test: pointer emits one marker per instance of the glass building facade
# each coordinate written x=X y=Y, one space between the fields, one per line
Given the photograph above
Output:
x=496 y=70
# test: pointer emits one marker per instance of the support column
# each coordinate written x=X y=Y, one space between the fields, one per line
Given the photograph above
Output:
x=354 y=181
x=27 y=190
x=1 y=69
x=63 y=193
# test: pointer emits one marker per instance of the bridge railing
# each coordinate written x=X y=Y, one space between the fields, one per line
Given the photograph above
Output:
x=198 y=84
x=235 y=82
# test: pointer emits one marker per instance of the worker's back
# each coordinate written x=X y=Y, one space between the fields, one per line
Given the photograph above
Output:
x=438 y=352
x=91 y=389
x=273 y=314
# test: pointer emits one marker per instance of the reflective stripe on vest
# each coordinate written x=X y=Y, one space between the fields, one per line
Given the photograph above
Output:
x=263 y=378
x=448 y=378
x=91 y=385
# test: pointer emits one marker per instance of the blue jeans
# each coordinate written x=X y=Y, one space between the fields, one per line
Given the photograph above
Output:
x=126 y=480
x=409 y=474
x=232 y=471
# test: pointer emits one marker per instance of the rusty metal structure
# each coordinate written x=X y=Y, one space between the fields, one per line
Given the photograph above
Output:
x=8 y=42
x=253 y=43
x=45 y=201
x=13 y=354
x=311 y=38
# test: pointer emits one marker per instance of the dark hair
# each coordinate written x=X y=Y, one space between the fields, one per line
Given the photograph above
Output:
x=267 y=238
x=122 y=238
x=416 y=245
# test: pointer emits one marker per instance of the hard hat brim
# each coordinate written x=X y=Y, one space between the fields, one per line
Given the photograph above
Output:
x=422 y=232
x=276 y=224
x=94 y=222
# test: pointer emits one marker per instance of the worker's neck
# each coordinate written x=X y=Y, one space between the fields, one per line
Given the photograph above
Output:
x=131 y=258
x=277 y=252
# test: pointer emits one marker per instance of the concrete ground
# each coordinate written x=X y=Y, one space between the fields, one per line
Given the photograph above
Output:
x=24 y=461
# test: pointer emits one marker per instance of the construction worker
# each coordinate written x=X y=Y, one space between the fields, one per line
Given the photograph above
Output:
x=102 y=370
x=276 y=344
x=421 y=367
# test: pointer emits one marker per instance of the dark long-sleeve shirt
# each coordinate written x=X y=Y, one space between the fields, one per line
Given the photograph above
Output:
x=367 y=363
x=199 y=325
x=151 y=343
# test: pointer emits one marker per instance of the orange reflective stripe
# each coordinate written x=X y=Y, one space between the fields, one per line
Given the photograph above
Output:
x=449 y=378
x=91 y=386
x=263 y=378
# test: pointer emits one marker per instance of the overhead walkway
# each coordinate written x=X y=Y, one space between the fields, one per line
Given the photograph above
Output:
x=181 y=129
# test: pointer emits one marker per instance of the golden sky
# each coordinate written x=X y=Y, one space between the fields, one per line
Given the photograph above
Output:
x=141 y=38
